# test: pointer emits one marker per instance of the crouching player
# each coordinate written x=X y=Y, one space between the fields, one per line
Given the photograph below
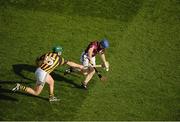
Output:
x=46 y=64
x=88 y=59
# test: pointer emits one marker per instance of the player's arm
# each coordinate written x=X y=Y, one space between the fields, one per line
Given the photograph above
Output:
x=75 y=65
x=39 y=60
x=70 y=63
x=105 y=63
x=103 y=58
x=90 y=53
x=102 y=55
x=62 y=61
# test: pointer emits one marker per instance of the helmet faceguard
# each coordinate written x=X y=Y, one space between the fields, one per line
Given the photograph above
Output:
x=58 y=49
x=104 y=43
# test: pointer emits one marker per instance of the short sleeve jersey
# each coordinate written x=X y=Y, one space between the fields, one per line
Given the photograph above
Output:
x=49 y=61
x=96 y=48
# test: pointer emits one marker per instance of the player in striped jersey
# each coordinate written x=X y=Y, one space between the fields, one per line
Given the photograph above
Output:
x=46 y=64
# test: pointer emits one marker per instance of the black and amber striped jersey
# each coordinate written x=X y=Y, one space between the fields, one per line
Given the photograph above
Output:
x=49 y=61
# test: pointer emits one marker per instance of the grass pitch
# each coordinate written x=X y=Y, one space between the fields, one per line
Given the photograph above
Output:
x=143 y=81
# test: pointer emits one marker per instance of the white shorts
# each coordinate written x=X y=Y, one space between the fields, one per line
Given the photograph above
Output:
x=85 y=61
x=40 y=76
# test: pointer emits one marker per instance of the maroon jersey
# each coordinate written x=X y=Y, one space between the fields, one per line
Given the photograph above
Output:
x=96 y=48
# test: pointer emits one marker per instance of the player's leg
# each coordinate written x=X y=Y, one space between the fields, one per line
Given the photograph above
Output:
x=50 y=82
x=40 y=77
x=89 y=76
x=40 y=81
x=83 y=60
x=36 y=91
x=90 y=70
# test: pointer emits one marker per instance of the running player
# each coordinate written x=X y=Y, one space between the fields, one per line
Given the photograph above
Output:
x=46 y=64
x=88 y=58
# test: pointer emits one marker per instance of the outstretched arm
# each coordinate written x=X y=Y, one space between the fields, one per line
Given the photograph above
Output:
x=75 y=65
x=103 y=58
x=105 y=63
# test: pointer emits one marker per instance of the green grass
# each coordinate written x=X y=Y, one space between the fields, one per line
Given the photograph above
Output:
x=143 y=82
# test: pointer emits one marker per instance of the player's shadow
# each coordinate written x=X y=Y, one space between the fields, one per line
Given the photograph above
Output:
x=19 y=68
x=4 y=96
x=7 y=94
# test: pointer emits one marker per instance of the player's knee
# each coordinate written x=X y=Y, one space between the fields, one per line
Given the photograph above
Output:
x=36 y=93
x=88 y=70
x=51 y=82
x=91 y=70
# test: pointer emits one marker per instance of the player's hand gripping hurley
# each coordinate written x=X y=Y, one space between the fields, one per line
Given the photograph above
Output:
x=103 y=78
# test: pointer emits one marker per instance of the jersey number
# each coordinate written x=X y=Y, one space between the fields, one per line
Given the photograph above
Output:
x=49 y=60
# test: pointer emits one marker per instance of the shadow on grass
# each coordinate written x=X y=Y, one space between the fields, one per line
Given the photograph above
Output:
x=4 y=96
x=14 y=82
x=18 y=68
x=4 y=92
x=29 y=95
